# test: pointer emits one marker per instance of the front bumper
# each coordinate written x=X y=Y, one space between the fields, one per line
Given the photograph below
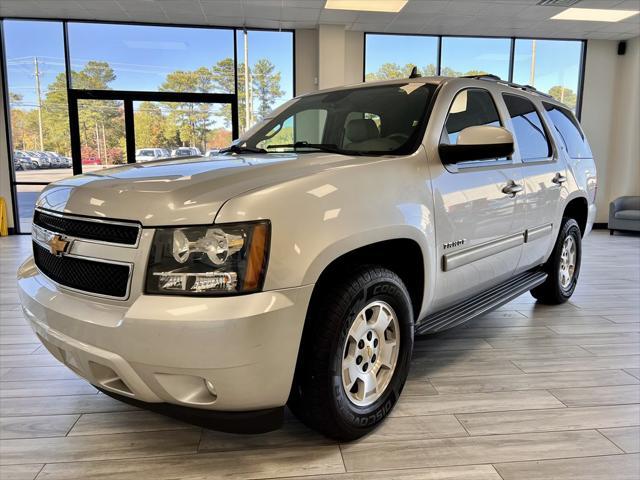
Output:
x=223 y=354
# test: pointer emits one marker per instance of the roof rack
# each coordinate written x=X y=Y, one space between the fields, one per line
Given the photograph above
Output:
x=497 y=79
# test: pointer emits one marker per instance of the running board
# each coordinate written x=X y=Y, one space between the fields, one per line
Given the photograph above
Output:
x=481 y=303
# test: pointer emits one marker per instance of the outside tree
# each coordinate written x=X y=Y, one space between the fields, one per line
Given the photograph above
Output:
x=564 y=95
x=266 y=87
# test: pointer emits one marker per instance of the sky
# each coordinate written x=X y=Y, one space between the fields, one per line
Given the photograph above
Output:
x=557 y=61
x=141 y=56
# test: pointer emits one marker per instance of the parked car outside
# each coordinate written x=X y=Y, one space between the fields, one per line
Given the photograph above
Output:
x=54 y=159
x=91 y=160
x=149 y=154
x=298 y=268
x=185 y=152
x=39 y=159
x=21 y=161
x=212 y=153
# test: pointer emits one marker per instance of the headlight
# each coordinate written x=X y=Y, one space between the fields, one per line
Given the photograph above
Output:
x=209 y=260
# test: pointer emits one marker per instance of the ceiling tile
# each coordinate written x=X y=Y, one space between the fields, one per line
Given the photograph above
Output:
x=299 y=14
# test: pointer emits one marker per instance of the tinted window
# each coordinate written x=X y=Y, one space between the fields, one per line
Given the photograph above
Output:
x=527 y=128
x=470 y=108
x=568 y=130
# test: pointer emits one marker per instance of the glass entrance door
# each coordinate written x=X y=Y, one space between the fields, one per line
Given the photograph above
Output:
x=110 y=128
x=166 y=130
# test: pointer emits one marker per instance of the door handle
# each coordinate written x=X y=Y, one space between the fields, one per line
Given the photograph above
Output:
x=559 y=179
x=512 y=188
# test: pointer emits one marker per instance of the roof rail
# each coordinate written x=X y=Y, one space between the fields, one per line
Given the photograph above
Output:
x=497 y=79
x=484 y=76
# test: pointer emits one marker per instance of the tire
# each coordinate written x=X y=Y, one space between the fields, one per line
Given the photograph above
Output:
x=558 y=288
x=318 y=397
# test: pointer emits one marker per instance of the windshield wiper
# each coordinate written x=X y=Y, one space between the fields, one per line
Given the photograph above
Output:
x=325 y=147
x=238 y=149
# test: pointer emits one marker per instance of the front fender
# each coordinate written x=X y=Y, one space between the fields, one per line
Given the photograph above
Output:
x=318 y=218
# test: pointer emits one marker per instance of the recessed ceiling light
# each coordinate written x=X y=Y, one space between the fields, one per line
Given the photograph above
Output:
x=594 y=14
x=367 y=5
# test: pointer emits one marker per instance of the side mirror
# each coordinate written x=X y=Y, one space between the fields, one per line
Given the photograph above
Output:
x=480 y=142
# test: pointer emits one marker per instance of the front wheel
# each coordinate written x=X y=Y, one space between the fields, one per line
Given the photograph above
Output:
x=355 y=354
x=563 y=266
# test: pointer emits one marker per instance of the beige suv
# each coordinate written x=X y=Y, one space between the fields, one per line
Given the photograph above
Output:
x=296 y=266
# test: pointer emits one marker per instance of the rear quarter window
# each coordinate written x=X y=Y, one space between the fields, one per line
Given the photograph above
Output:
x=568 y=131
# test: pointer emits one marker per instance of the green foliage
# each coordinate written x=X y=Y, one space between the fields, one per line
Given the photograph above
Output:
x=389 y=71
x=564 y=95
x=266 y=87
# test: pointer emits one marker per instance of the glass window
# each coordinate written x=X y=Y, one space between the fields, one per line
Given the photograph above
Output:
x=393 y=56
x=475 y=56
x=470 y=107
x=150 y=58
x=37 y=94
x=168 y=129
x=395 y=116
x=527 y=128
x=569 y=131
x=102 y=133
x=551 y=66
x=265 y=74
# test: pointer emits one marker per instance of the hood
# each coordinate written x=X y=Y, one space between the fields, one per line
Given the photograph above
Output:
x=177 y=192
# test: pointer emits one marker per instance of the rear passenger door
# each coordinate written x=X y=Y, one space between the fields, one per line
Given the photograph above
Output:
x=544 y=173
x=479 y=225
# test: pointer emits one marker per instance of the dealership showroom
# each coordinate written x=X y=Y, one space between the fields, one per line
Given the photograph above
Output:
x=320 y=239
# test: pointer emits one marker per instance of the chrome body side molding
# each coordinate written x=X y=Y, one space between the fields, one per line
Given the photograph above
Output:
x=538 y=232
x=462 y=257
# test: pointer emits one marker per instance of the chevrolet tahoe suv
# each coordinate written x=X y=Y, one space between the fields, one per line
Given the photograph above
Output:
x=297 y=266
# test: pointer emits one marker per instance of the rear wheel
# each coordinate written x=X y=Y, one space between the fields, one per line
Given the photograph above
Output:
x=355 y=354
x=563 y=266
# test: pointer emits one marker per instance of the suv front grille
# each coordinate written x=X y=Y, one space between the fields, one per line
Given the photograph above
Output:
x=87 y=276
x=91 y=229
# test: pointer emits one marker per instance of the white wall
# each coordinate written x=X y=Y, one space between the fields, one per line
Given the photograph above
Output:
x=610 y=118
x=624 y=150
x=340 y=56
x=5 y=185
x=306 y=61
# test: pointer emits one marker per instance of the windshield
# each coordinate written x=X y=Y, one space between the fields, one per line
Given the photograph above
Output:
x=374 y=120
x=145 y=153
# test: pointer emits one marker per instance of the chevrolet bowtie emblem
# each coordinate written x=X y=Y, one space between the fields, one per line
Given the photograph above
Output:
x=58 y=245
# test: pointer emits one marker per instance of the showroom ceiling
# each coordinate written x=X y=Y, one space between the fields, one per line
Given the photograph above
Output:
x=519 y=18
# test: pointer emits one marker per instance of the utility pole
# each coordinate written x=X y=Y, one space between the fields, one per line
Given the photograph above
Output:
x=37 y=75
x=247 y=102
x=532 y=71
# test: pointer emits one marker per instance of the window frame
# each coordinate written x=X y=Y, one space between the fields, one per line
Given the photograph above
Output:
x=73 y=95
x=474 y=164
x=553 y=150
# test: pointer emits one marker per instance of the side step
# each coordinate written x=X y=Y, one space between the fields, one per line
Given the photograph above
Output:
x=481 y=303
